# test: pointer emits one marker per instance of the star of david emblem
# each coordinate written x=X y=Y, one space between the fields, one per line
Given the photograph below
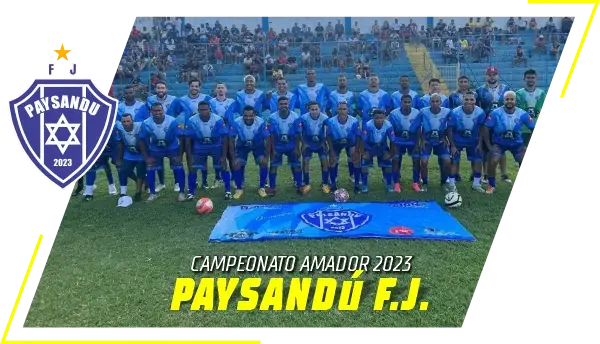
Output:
x=336 y=221
x=62 y=144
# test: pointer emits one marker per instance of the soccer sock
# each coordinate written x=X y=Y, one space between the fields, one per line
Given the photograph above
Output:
x=452 y=180
x=226 y=180
x=192 y=179
x=273 y=180
x=151 y=179
x=179 y=175
x=365 y=178
x=357 y=176
x=396 y=176
x=217 y=174
x=204 y=177
x=388 y=178
x=237 y=178
x=89 y=190
x=123 y=179
x=416 y=175
x=477 y=178
x=109 y=176
x=306 y=177
x=298 y=179
x=324 y=177
x=161 y=174
x=124 y=190
x=492 y=181
x=333 y=171
x=263 y=173
x=90 y=178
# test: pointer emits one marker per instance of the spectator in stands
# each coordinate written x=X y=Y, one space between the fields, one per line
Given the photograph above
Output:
x=208 y=70
x=447 y=54
x=550 y=26
x=540 y=45
x=305 y=56
x=566 y=25
x=329 y=32
x=555 y=49
x=386 y=31
x=396 y=26
x=292 y=65
x=519 y=57
x=320 y=32
x=532 y=24
x=282 y=62
x=219 y=59
x=247 y=63
x=356 y=29
x=375 y=29
x=521 y=24
x=276 y=75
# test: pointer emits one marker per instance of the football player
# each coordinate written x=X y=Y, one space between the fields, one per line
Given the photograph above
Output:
x=129 y=158
x=532 y=99
x=373 y=98
x=311 y=127
x=311 y=91
x=434 y=88
x=225 y=108
x=109 y=153
x=406 y=141
x=130 y=105
x=282 y=91
x=405 y=90
x=377 y=142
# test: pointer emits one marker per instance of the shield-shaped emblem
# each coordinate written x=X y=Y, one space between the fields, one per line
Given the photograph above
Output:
x=63 y=126
x=336 y=220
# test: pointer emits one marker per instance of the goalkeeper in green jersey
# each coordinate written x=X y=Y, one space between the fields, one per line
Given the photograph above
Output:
x=530 y=99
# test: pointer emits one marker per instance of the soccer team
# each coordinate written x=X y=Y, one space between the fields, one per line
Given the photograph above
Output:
x=312 y=120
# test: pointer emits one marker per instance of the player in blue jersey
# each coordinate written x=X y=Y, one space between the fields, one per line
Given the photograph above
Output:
x=454 y=100
x=343 y=133
x=249 y=134
x=505 y=124
x=314 y=141
x=194 y=96
x=129 y=104
x=433 y=123
x=406 y=141
x=159 y=138
x=284 y=140
x=162 y=97
x=129 y=158
x=103 y=163
x=225 y=108
x=282 y=91
x=405 y=90
x=311 y=91
x=490 y=97
x=250 y=96
x=434 y=88
x=464 y=125
x=373 y=98
x=377 y=141
x=207 y=136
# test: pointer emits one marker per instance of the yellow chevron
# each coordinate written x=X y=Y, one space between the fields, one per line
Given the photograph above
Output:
x=419 y=58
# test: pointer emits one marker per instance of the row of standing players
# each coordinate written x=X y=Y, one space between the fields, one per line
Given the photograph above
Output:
x=418 y=126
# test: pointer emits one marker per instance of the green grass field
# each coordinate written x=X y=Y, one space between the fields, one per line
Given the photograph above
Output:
x=115 y=267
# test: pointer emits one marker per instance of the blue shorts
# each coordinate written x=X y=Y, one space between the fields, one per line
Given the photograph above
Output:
x=159 y=158
x=308 y=153
x=200 y=159
x=291 y=158
x=440 y=150
x=408 y=150
x=241 y=154
x=138 y=165
x=517 y=150
x=472 y=154
x=380 y=155
x=102 y=163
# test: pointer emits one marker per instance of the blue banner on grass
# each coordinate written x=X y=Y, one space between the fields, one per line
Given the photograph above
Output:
x=394 y=220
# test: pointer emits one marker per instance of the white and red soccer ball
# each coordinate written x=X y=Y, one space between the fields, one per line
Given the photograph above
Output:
x=341 y=195
x=204 y=205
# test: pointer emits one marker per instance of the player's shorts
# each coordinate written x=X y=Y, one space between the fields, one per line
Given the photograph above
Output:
x=103 y=162
x=517 y=150
x=291 y=158
x=440 y=150
x=380 y=154
x=408 y=150
x=159 y=160
x=339 y=147
x=308 y=153
x=200 y=158
x=130 y=165
x=472 y=154
x=241 y=154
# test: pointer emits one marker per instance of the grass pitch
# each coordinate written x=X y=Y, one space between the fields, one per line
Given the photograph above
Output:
x=115 y=267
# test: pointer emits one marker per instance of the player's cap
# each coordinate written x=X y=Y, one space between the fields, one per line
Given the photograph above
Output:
x=491 y=70
x=124 y=202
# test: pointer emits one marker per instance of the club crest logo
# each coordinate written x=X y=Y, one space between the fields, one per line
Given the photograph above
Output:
x=336 y=220
x=63 y=126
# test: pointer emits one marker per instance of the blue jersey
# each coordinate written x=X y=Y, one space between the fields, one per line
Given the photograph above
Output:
x=368 y=101
x=249 y=136
x=433 y=125
x=465 y=126
x=192 y=103
x=489 y=99
x=224 y=108
x=181 y=110
x=129 y=139
x=318 y=93
x=166 y=102
x=397 y=99
x=455 y=100
x=206 y=135
x=142 y=114
x=507 y=126
x=255 y=99
x=377 y=139
x=131 y=109
x=284 y=130
x=313 y=130
x=405 y=133
x=163 y=137
x=293 y=101
x=336 y=97
x=426 y=100
x=343 y=134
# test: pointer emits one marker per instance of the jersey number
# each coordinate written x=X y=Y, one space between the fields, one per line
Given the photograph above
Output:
x=63 y=162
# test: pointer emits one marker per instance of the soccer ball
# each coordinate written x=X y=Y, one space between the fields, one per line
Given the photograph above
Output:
x=204 y=205
x=453 y=200
x=341 y=195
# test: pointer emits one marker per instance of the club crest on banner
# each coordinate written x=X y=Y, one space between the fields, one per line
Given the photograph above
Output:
x=336 y=219
x=63 y=125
